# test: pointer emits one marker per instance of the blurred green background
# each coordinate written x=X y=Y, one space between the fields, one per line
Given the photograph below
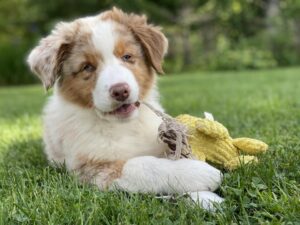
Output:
x=203 y=34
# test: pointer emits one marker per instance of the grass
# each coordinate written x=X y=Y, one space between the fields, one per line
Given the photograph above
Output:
x=261 y=104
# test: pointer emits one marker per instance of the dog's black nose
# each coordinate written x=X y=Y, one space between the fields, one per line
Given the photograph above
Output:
x=120 y=91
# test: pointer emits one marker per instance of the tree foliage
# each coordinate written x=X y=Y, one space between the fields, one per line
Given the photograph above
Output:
x=203 y=34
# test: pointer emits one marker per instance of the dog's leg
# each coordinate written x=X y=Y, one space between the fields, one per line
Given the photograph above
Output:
x=157 y=175
x=150 y=174
x=205 y=199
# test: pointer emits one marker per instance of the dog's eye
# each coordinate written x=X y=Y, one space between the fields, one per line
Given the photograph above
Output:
x=88 y=68
x=126 y=58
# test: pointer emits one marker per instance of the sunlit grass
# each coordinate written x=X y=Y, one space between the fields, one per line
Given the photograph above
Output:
x=263 y=104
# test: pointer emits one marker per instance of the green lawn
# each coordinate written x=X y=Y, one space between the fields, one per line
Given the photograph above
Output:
x=260 y=104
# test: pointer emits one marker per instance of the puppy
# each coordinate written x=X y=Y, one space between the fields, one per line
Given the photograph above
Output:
x=100 y=67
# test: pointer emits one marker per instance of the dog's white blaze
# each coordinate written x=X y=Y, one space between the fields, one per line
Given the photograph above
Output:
x=104 y=38
x=109 y=76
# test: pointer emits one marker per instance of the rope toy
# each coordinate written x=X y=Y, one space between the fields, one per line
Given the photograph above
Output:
x=174 y=134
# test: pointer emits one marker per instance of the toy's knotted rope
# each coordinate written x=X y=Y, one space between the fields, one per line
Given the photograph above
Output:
x=174 y=134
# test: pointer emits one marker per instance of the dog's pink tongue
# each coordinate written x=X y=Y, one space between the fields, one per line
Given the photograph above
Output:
x=125 y=110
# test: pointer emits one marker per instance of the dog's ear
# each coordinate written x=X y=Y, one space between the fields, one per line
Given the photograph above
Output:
x=154 y=44
x=46 y=59
x=153 y=41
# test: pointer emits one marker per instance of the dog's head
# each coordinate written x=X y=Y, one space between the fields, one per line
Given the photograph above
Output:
x=107 y=62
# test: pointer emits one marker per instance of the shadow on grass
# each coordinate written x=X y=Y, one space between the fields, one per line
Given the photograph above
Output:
x=25 y=154
x=28 y=158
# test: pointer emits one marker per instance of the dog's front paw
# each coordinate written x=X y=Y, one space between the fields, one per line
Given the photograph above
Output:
x=198 y=175
x=206 y=199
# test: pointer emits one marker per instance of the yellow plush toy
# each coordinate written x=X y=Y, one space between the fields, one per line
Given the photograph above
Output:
x=210 y=141
x=205 y=139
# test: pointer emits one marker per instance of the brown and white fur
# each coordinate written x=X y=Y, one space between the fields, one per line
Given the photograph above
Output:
x=107 y=141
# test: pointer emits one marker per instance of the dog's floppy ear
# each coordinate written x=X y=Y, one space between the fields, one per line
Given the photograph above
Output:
x=154 y=43
x=46 y=59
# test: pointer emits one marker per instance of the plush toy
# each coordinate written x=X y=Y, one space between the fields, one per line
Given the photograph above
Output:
x=210 y=141
x=205 y=139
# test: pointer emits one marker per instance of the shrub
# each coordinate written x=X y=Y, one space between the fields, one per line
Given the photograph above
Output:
x=13 y=65
x=238 y=59
x=237 y=56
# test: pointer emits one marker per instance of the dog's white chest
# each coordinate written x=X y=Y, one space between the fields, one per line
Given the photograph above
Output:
x=120 y=141
x=77 y=133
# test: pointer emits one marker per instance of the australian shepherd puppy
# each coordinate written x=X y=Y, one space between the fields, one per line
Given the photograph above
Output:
x=100 y=67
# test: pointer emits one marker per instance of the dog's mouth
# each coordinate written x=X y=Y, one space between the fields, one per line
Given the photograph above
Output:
x=125 y=110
